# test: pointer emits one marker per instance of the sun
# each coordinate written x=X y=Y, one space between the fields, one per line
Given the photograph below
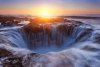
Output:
x=45 y=14
x=44 y=11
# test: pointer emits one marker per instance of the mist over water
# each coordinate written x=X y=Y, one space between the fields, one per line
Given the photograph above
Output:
x=71 y=44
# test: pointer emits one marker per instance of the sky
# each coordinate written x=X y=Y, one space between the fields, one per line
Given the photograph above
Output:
x=51 y=7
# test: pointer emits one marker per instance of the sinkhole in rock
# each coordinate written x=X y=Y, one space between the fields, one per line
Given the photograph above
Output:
x=55 y=37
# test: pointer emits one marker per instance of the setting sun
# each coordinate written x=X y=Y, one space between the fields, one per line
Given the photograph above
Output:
x=44 y=11
x=45 y=14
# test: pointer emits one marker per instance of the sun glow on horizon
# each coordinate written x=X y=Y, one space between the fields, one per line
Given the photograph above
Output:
x=45 y=11
x=45 y=14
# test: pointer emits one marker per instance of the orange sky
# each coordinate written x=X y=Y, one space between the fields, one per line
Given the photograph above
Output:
x=52 y=12
x=52 y=7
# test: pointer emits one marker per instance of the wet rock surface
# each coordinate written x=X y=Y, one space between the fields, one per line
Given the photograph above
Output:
x=12 y=62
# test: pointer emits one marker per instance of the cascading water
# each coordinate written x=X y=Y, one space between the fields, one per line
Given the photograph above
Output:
x=55 y=37
x=69 y=44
